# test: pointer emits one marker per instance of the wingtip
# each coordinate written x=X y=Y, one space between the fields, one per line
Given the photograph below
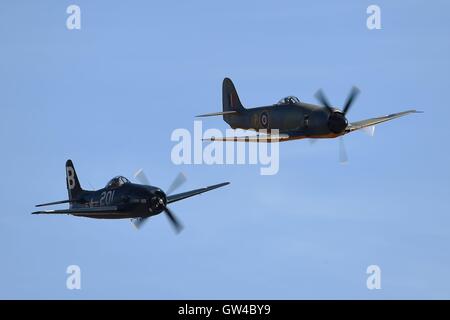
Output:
x=223 y=184
x=219 y=185
x=205 y=115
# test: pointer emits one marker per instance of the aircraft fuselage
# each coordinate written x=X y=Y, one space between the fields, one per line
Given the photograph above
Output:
x=303 y=119
x=132 y=200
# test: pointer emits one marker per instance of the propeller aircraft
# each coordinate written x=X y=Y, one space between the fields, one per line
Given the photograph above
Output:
x=121 y=199
x=292 y=118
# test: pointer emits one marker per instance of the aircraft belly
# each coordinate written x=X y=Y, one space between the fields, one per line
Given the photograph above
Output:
x=325 y=135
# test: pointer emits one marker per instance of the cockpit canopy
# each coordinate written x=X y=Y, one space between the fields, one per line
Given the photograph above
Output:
x=117 y=182
x=289 y=100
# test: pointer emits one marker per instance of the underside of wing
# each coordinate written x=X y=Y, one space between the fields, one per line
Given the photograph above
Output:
x=255 y=138
x=184 y=195
x=83 y=211
x=371 y=122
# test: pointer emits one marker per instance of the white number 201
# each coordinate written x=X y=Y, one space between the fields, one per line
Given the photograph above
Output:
x=107 y=198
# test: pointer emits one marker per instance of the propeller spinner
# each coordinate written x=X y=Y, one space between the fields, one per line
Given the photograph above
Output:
x=337 y=121
x=159 y=201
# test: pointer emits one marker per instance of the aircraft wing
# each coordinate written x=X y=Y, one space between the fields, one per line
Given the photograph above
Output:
x=254 y=138
x=371 y=122
x=184 y=195
x=94 y=210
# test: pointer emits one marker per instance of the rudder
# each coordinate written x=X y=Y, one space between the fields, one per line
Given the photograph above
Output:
x=73 y=185
x=230 y=98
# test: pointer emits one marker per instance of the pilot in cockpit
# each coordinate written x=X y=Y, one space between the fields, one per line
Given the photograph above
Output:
x=117 y=182
x=289 y=100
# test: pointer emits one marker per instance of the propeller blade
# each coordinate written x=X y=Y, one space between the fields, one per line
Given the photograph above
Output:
x=369 y=130
x=179 y=180
x=351 y=97
x=323 y=100
x=141 y=177
x=138 y=222
x=342 y=151
x=176 y=224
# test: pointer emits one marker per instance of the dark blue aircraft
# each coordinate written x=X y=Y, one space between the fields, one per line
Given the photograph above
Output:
x=121 y=199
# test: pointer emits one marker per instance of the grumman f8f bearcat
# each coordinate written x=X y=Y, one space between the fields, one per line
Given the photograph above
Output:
x=121 y=199
x=292 y=118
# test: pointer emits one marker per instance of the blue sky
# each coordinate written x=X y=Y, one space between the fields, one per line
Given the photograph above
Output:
x=108 y=96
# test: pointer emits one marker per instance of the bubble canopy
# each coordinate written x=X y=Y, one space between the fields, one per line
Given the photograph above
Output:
x=289 y=100
x=117 y=182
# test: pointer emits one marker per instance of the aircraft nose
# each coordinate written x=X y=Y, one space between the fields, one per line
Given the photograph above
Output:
x=157 y=201
x=337 y=122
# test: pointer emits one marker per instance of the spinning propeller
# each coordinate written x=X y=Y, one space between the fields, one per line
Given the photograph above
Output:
x=337 y=121
x=177 y=182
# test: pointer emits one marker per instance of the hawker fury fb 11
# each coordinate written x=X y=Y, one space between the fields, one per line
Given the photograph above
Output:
x=121 y=199
x=292 y=119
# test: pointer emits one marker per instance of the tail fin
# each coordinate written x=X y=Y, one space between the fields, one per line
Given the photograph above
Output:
x=73 y=185
x=230 y=98
x=231 y=104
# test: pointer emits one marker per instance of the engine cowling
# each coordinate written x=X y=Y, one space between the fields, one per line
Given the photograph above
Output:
x=157 y=202
x=337 y=122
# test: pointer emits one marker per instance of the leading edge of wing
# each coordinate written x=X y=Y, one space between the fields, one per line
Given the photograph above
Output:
x=79 y=210
x=373 y=121
x=184 y=195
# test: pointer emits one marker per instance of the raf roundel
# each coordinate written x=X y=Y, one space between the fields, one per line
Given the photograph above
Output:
x=264 y=120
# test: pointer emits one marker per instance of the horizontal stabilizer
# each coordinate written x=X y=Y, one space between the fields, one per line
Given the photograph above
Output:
x=223 y=113
x=57 y=202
